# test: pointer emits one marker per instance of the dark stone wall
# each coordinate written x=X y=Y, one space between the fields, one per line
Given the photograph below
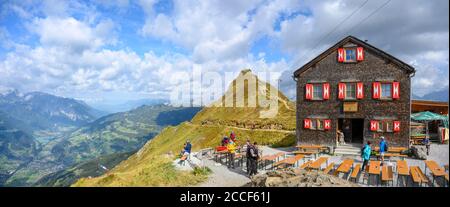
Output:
x=373 y=68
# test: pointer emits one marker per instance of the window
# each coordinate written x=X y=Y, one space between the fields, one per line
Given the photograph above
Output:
x=350 y=91
x=350 y=55
x=313 y=124
x=319 y=124
x=388 y=126
x=386 y=90
x=317 y=92
x=380 y=126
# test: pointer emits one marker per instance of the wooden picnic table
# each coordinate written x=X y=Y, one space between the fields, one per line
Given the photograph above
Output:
x=402 y=170
x=389 y=155
x=311 y=147
x=374 y=169
x=318 y=163
x=345 y=166
x=435 y=169
x=290 y=160
x=271 y=158
x=392 y=149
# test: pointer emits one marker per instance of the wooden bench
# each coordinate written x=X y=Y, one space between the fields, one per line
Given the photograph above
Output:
x=344 y=167
x=417 y=175
x=316 y=165
x=308 y=153
x=389 y=155
x=288 y=161
x=306 y=165
x=328 y=168
x=355 y=173
x=387 y=175
x=436 y=170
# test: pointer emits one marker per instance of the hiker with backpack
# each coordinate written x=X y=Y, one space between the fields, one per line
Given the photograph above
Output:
x=231 y=147
x=252 y=158
x=383 y=149
x=187 y=149
x=365 y=154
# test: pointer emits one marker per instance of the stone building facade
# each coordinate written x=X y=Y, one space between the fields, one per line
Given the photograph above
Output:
x=357 y=89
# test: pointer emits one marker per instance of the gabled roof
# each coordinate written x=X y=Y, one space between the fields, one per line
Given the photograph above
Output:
x=350 y=39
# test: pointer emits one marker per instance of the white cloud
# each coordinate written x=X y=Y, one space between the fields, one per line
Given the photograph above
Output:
x=73 y=57
x=70 y=33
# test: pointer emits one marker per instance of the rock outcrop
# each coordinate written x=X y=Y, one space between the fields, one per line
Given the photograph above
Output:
x=298 y=178
x=419 y=152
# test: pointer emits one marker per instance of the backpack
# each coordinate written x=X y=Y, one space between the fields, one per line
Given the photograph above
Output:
x=386 y=147
x=362 y=150
x=255 y=150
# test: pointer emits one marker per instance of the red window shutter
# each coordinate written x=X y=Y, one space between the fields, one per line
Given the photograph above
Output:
x=307 y=123
x=326 y=91
x=396 y=126
x=327 y=124
x=341 y=91
x=374 y=125
x=340 y=55
x=309 y=92
x=359 y=90
x=359 y=54
x=376 y=93
x=395 y=90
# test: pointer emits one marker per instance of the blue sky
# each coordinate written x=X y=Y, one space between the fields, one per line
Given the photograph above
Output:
x=114 y=51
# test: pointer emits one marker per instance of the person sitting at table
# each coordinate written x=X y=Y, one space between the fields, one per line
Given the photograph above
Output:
x=365 y=155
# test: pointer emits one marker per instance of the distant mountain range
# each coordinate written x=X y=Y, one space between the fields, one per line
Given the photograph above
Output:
x=42 y=134
x=441 y=95
x=44 y=111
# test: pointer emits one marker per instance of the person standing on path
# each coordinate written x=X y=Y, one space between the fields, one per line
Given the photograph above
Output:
x=247 y=155
x=427 y=144
x=383 y=148
x=253 y=158
x=365 y=155
x=231 y=147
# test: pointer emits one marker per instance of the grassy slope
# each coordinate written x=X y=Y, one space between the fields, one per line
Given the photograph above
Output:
x=152 y=166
